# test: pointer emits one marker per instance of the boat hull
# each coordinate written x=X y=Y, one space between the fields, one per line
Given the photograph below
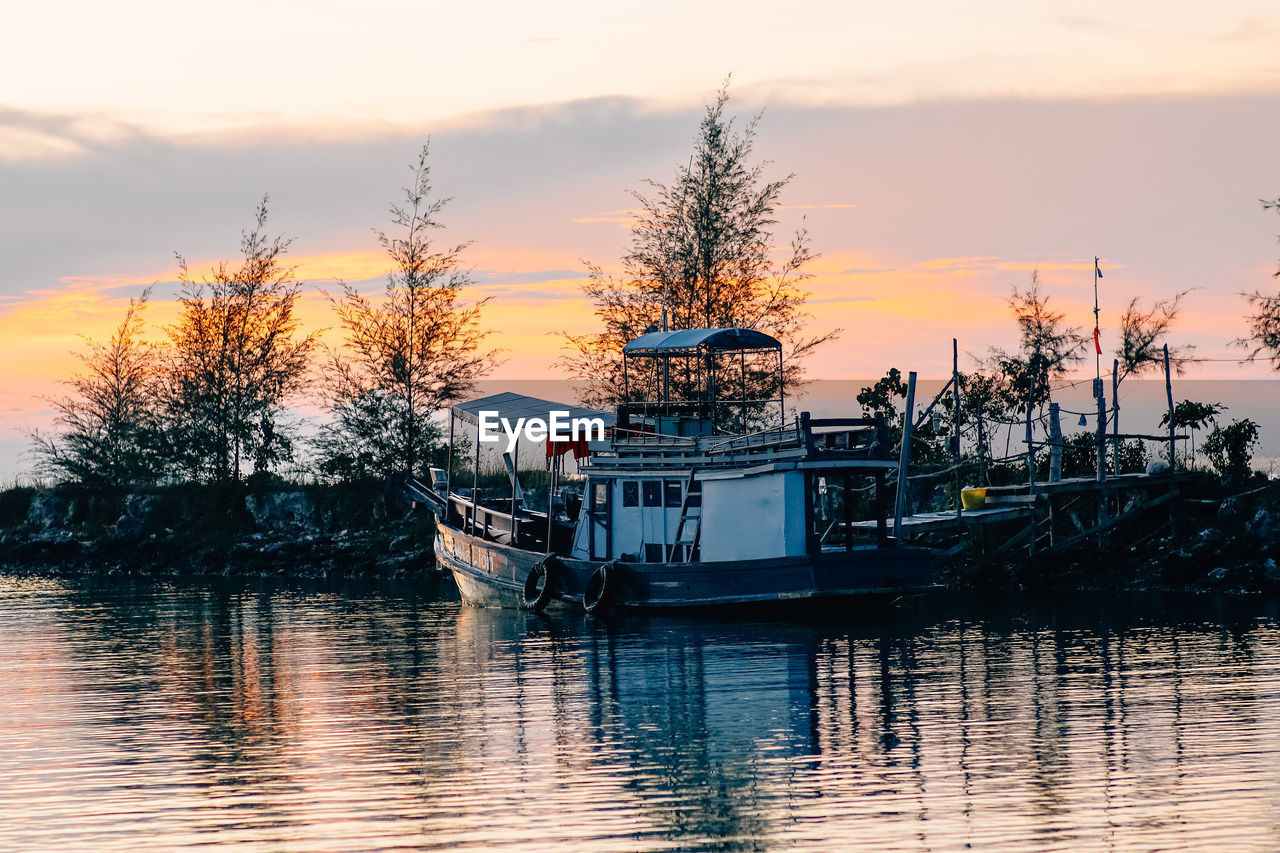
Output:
x=491 y=574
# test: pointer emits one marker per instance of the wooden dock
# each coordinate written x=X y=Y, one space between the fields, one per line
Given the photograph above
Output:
x=1048 y=516
x=933 y=522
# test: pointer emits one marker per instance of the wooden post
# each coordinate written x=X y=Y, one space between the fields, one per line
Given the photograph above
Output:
x=448 y=469
x=475 y=485
x=1102 y=429
x=1115 y=412
x=905 y=456
x=982 y=452
x=1052 y=535
x=1168 y=391
x=1055 y=443
x=782 y=395
x=882 y=509
x=1031 y=455
x=955 y=419
x=551 y=498
x=848 y=513
x=515 y=485
x=1031 y=481
x=1102 y=461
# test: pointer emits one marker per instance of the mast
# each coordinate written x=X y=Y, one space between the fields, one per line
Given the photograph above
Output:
x=1097 y=347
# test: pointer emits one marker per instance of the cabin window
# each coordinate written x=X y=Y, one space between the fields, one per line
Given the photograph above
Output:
x=653 y=493
x=652 y=552
x=600 y=540
x=673 y=492
x=630 y=493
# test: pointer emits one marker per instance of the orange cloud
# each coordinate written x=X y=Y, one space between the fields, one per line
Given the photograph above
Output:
x=348 y=266
x=837 y=206
x=893 y=313
x=625 y=218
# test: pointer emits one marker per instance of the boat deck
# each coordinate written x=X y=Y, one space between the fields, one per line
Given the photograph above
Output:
x=923 y=522
x=1008 y=503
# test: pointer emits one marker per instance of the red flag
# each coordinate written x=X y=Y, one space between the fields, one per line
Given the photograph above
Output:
x=1096 y=341
x=560 y=448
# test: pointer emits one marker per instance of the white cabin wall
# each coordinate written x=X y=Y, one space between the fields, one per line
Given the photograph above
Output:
x=635 y=526
x=751 y=518
x=581 y=534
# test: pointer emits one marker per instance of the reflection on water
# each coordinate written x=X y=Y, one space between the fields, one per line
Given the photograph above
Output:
x=155 y=716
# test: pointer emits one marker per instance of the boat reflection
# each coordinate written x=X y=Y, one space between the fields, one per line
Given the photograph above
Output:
x=370 y=718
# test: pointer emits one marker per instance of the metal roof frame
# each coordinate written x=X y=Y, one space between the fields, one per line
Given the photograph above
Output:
x=690 y=341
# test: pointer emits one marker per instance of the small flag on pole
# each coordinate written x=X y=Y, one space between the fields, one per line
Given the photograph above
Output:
x=1097 y=340
x=1097 y=268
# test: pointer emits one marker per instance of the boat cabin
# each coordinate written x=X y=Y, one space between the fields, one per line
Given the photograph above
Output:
x=700 y=464
x=703 y=465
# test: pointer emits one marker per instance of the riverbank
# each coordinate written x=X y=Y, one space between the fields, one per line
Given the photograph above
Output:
x=1216 y=544
x=1213 y=541
x=347 y=530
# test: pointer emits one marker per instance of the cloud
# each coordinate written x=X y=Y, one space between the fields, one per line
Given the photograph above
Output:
x=988 y=264
x=534 y=276
x=956 y=201
x=1247 y=30
x=816 y=206
x=30 y=135
x=1086 y=23
x=625 y=218
x=841 y=300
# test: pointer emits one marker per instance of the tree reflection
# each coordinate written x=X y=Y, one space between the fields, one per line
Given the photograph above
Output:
x=267 y=712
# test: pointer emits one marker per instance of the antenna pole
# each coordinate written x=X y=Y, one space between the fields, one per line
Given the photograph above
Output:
x=1097 y=356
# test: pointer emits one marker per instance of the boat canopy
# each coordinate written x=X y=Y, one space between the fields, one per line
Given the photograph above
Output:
x=689 y=341
x=512 y=407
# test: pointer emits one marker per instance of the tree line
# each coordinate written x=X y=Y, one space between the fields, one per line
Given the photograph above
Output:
x=1011 y=386
x=207 y=398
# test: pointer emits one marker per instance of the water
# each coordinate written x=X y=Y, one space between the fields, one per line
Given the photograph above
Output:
x=140 y=716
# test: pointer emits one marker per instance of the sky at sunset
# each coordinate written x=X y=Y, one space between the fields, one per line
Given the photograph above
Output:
x=941 y=152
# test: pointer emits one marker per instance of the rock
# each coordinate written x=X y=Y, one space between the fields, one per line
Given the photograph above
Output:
x=1210 y=537
x=1180 y=567
x=1233 y=510
x=1263 y=530
x=280 y=510
x=142 y=507
x=128 y=528
x=49 y=510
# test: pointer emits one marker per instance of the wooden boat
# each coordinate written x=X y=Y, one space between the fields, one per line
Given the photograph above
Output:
x=682 y=506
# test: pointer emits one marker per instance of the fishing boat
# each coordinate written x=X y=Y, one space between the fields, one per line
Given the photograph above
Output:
x=694 y=493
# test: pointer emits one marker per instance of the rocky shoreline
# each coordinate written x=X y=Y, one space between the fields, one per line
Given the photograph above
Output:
x=365 y=530
x=1230 y=545
x=1214 y=545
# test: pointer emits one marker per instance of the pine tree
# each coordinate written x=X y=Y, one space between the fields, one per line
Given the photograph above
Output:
x=702 y=247
x=236 y=357
x=107 y=429
x=405 y=355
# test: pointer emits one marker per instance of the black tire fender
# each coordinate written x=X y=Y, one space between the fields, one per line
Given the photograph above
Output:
x=600 y=588
x=538 y=597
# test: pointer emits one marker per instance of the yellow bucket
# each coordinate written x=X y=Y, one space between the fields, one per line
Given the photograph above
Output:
x=973 y=498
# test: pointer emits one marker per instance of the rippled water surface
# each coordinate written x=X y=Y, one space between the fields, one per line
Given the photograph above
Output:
x=139 y=716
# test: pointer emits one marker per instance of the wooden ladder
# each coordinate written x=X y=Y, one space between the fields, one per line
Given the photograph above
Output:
x=690 y=527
